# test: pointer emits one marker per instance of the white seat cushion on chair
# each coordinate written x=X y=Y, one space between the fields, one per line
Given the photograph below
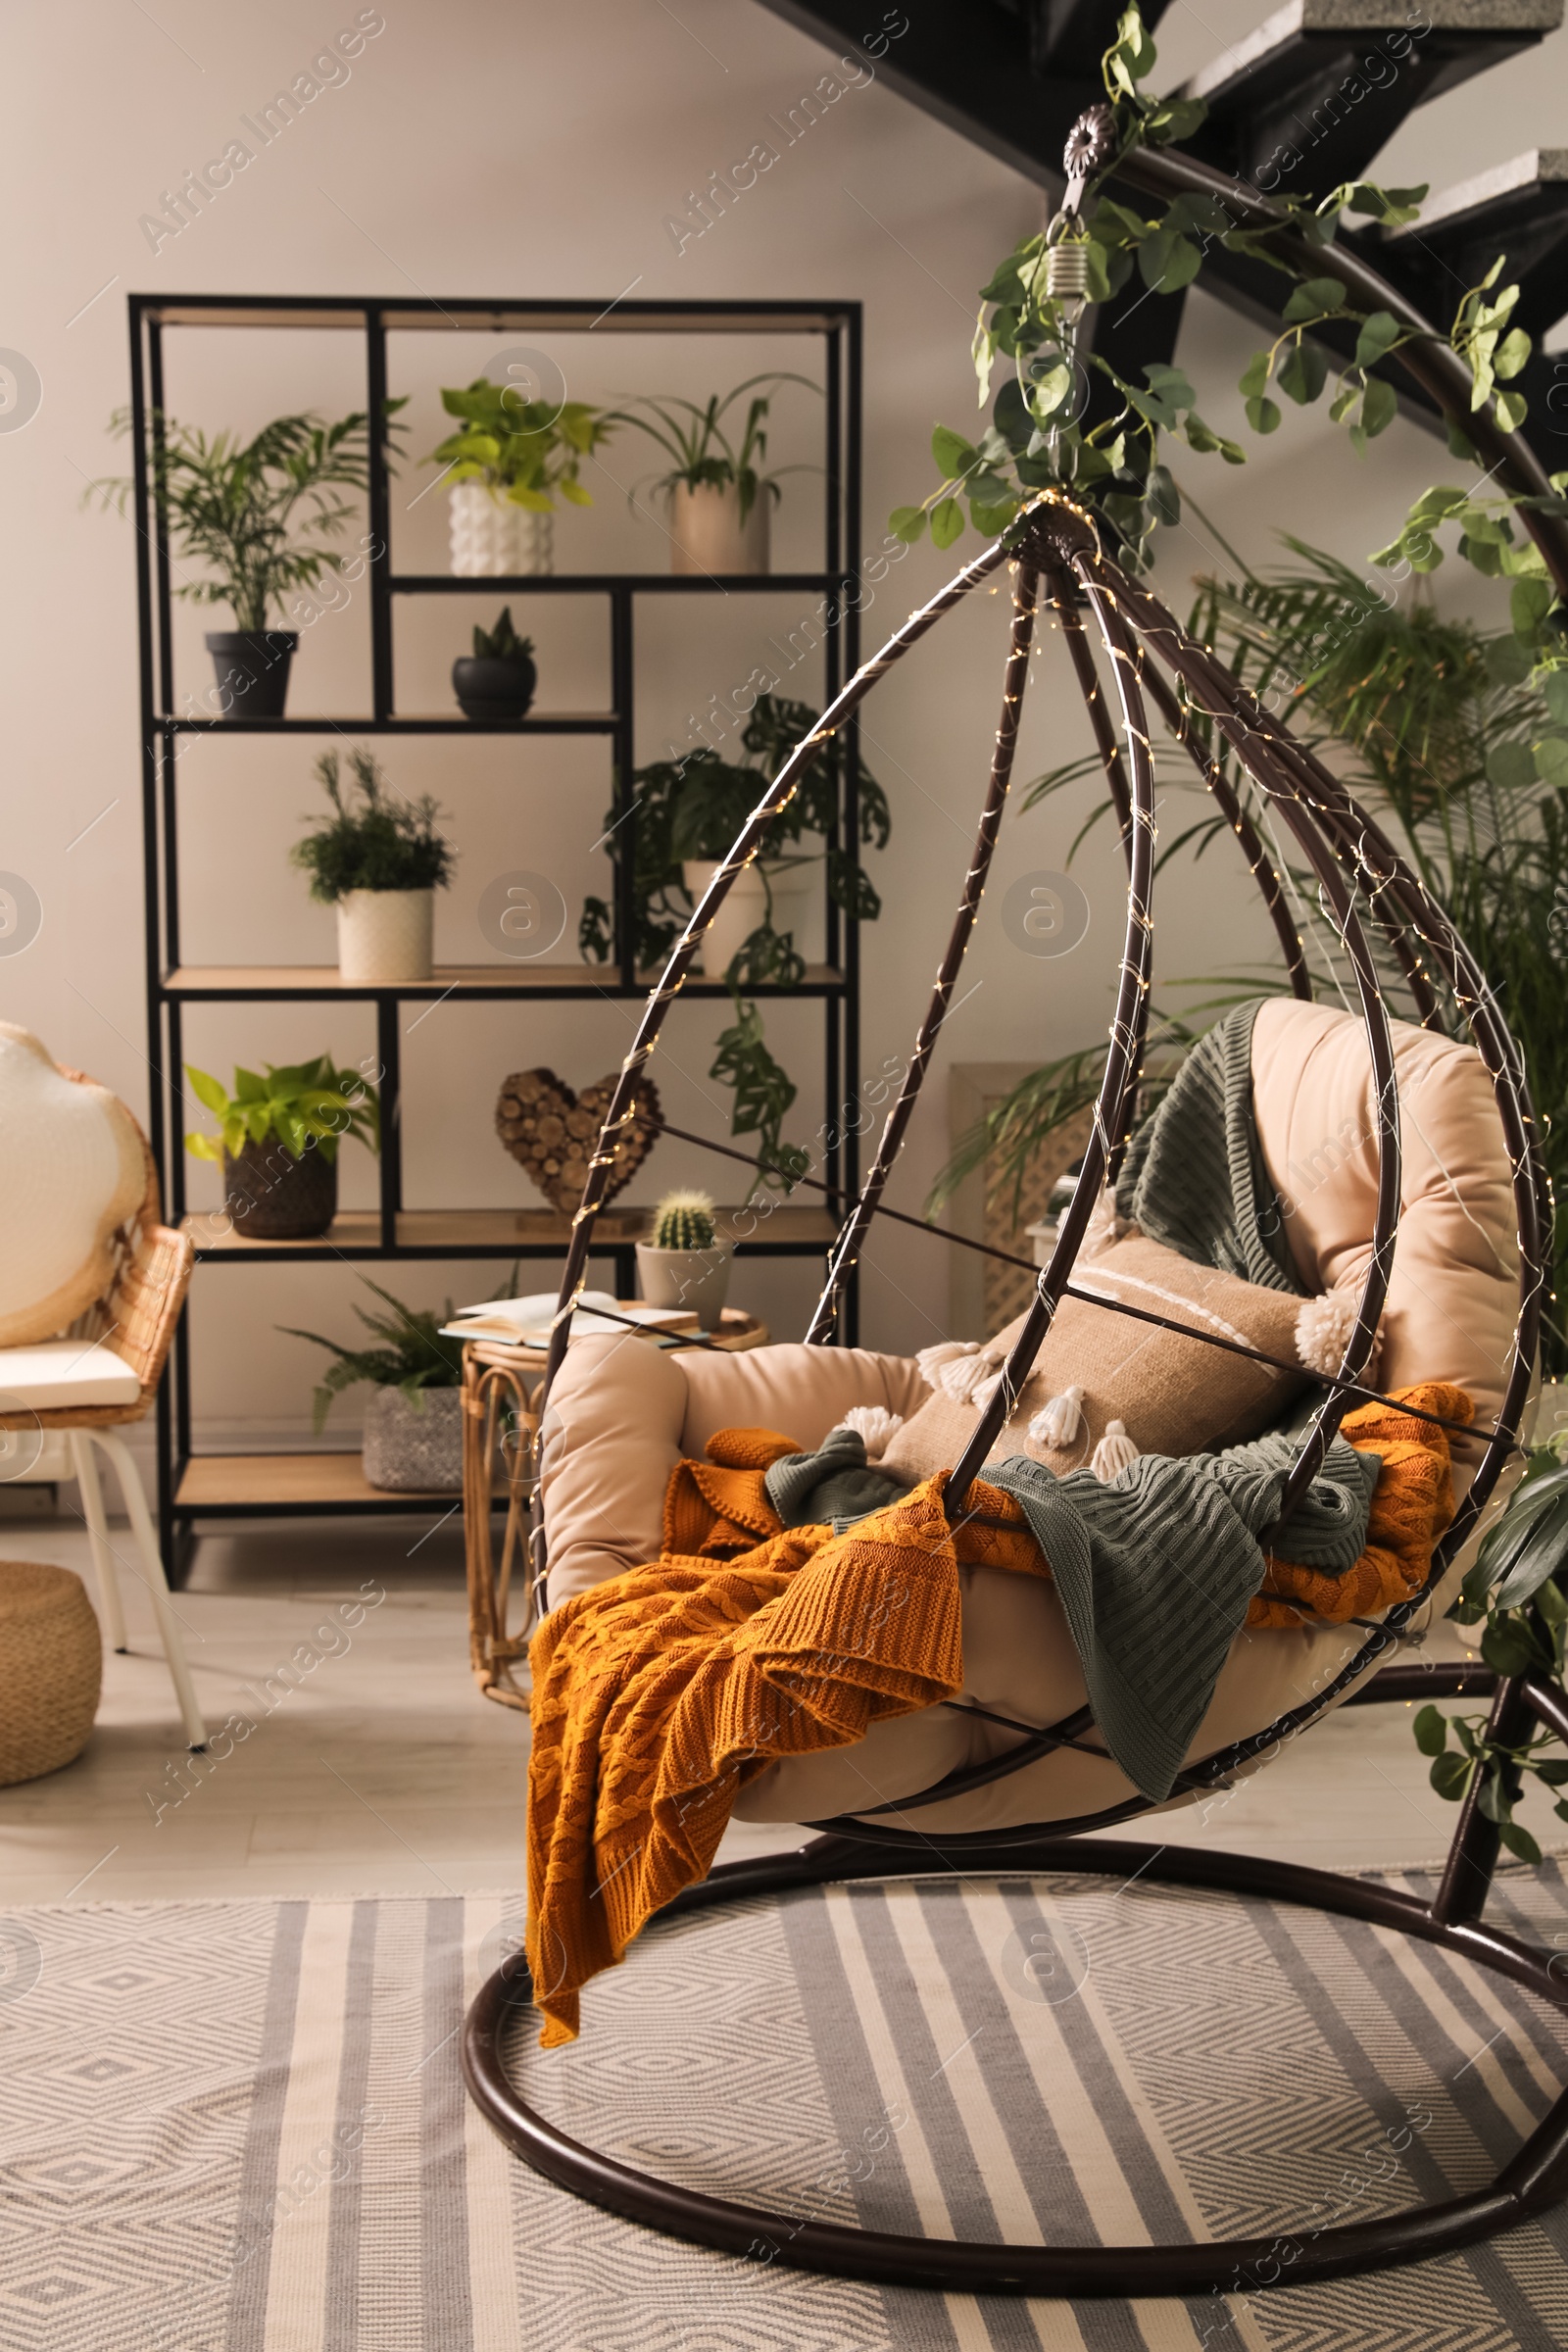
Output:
x=55 y=1375
x=73 y=1170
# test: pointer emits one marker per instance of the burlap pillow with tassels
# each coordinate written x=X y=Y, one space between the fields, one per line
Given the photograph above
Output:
x=1105 y=1387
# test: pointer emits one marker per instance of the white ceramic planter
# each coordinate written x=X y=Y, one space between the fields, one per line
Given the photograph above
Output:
x=707 y=533
x=745 y=909
x=697 y=1279
x=384 y=935
x=414 y=1449
x=492 y=537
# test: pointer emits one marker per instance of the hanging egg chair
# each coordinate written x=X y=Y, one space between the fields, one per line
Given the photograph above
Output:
x=1380 y=911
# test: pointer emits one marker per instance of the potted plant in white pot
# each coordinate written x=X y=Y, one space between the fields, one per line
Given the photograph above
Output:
x=380 y=864
x=508 y=460
x=277 y=1142
x=257 y=517
x=412 y=1441
x=686 y=1264
x=719 y=499
x=496 y=682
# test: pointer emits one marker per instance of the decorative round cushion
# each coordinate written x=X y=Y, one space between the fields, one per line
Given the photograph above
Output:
x=51 y=1669
x=73 y=1170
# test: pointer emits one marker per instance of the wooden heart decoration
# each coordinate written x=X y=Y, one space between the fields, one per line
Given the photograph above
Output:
x=551 y=1132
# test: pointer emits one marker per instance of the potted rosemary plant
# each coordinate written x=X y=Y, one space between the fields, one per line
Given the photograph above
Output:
x=496 y=682
x=257 y=517
x=380 y=863
x=413 y=1440
x=719 y=498
x=686 y=1264
x=278 y=1142
x=507 y=461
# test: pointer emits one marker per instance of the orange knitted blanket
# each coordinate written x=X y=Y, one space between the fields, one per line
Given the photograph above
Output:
x=659 y=1694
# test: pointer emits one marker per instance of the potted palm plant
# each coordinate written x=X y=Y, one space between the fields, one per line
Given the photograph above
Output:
x=278 y=1139
x=507 y=461
x=258 y=517
x=412 y=1441
x=686 y=1264
x=379 y=861
x=496 y=682
x=720 y=499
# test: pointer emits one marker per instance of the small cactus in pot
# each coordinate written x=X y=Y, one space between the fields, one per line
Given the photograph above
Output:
x=686 y=1264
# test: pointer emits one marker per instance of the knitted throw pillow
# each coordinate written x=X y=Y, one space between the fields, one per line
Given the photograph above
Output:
x=73 y=1170
x=1099 y=1372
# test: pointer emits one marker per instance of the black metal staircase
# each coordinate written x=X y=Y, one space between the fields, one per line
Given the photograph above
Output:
x=1308 y=100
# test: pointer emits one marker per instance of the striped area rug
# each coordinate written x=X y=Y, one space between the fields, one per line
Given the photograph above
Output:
x=239 y=2126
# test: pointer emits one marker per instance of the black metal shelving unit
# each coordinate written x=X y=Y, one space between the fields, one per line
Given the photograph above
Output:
x=194 y=1488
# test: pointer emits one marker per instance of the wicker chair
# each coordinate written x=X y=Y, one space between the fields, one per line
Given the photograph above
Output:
x=124 y=1341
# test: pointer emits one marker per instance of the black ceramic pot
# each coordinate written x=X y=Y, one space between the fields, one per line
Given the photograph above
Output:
x=493 y=691
x=252 y=667
x=272 y=1197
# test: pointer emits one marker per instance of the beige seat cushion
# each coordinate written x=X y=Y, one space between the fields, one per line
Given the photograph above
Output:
x=622 y=1414
x=1174 y=1396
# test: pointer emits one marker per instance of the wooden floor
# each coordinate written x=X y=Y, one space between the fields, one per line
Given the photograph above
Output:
x=379 y=1769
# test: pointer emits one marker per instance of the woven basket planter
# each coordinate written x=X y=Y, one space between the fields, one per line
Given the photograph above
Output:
x=415 y=1448
x=51 y=1669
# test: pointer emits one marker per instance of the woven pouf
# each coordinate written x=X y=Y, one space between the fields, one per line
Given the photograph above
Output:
x=51 y=1669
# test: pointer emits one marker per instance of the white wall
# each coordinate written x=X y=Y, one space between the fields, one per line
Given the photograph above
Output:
x=537 y=151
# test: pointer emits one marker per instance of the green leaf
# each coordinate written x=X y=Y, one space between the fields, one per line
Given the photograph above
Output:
x=989 y=521
x=1511 y=352
x=1318 y=298
x=952 y=453
x=1175 y=119
x=1431 y=1729
x=1519 y=1841
x=1163 y=497
x=1459 y=445
x=1255 y=382
x=248 y=1087
x=1048 y=392
x=207 y=1091
x=204 y=1146
x=907 y=523
x=1379 y=405
x=1378 y=335
x=1528 y=605
x=1302 y=374
x=1506 y=1646
x=1554 y=688
x=1263 y=416
x=1552 y=761
x=1491 y=1797
x=947 y=522
x=1512 y=408
x=1342 y=403
x=1450 y=1777
x=1508 y=664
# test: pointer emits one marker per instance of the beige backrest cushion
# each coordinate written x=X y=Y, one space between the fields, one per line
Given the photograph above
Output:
x=1454 y=1298
x=622 y=1414
x=72 y=1169
x=1175 y=1396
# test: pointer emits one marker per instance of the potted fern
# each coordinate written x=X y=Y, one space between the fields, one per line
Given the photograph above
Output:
x=257 y=517
x=496 y=682
x=412 y=1441
x=380 y=863
x=686 y=1264
x=507 y=462
x=278 y=1142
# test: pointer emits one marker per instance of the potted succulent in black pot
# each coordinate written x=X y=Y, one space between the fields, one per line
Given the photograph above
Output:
x=277 y=1142
x=257 y=517
x=496 y=682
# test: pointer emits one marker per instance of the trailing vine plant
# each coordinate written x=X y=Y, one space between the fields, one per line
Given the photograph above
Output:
x=693 y=808
x=1039 y=437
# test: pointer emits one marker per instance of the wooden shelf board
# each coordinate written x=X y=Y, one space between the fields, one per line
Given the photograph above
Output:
x=226 y=1479
x=454 y=979
x=500 y=1229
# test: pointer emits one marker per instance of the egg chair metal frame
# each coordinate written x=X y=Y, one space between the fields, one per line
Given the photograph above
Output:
x=1055 y=556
